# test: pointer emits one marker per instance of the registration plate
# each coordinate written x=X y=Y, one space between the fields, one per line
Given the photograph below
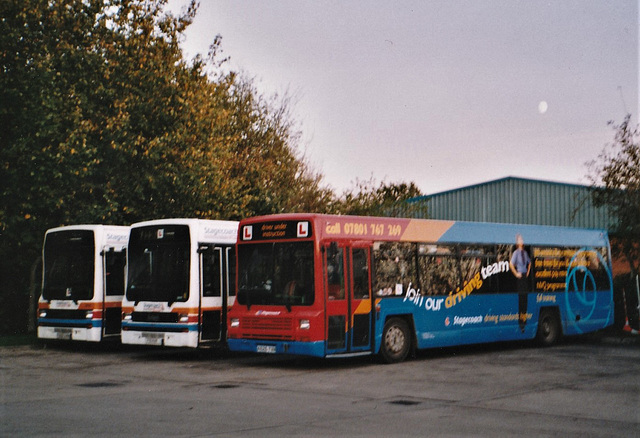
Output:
x=271 y=349
x=62 y=333
x=152 y=338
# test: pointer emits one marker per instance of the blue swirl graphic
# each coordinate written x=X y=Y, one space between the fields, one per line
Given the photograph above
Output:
x=581 y=290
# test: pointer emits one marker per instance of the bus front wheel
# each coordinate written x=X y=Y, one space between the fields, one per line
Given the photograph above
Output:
x=549 y=330
x=396 y=340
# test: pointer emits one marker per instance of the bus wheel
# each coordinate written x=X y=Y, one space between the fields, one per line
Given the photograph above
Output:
x=396 y=340
x=548 y=328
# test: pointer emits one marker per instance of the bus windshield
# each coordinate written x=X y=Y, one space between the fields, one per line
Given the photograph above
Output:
x=69 y=265
x=158 y=264
x=276 y=274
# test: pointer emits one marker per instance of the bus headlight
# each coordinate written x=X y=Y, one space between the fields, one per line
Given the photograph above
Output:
x=304 y=324
x=89 y=314
x=126 y=317
x=183 y=317
x=235 y=322
x=42 y=314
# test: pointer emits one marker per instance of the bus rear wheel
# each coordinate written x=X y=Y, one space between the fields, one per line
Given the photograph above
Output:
x=396 y=340
x=549 y=330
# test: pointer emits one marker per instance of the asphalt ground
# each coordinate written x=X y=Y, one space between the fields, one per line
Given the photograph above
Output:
x=588 y=386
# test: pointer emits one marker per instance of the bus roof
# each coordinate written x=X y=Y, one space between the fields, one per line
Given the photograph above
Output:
x=106 y=235
x=435 y=231
x=204 y=230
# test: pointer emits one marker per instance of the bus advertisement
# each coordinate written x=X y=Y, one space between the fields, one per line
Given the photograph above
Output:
x=82 y=282
x=331 y=286
x=180 y=282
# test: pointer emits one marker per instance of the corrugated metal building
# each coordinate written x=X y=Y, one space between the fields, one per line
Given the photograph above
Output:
x=517 y=201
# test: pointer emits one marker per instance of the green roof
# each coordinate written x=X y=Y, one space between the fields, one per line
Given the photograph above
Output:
x=518 y=201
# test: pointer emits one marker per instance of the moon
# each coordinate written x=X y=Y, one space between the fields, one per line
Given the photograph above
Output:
x=542 y=107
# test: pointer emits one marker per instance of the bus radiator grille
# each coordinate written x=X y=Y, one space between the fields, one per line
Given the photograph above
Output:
x=263 y=328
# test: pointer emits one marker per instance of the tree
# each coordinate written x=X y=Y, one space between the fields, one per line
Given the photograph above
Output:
x=615 y=177
x=104 y=121
x=91 y=102
x=386 y=199
x=270 y=174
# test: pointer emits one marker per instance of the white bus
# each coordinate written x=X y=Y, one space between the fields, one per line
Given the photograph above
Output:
x=83 y=280
x=180 y=282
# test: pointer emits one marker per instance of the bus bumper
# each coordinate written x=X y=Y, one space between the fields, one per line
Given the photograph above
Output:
x=70 y=333
x=167 y=339
x=315 y=349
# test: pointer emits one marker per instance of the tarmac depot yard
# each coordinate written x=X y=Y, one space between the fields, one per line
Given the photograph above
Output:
x=587 y=386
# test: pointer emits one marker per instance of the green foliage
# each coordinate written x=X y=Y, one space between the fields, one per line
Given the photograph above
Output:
x=386 y=199
x=268 y=174
x=104 y=121
x=616 y=185
x=107 y=123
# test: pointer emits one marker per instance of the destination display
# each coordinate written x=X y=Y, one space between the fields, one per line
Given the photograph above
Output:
x=276 y=230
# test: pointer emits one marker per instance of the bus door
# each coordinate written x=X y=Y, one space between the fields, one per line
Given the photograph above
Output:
x=217 y=269
x=348 y=298
x=113 y=269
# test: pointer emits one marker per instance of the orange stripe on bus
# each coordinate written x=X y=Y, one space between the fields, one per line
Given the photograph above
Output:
x=423 y=231
x=363 y=307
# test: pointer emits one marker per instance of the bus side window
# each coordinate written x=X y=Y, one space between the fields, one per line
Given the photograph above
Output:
x=598 y=266
x=439 y=269
x=211 y=273
x=360 y=274
x=479 y=261
x=506 y=280
x=115 y=262
x=335 y=273
x=394 y=268
x=556 y=267
x=231 y=266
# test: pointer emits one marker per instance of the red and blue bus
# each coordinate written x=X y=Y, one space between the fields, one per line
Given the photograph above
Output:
x=332 y=286
x=82 y=282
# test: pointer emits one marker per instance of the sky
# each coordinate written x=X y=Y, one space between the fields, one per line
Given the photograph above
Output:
x=444 y=94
